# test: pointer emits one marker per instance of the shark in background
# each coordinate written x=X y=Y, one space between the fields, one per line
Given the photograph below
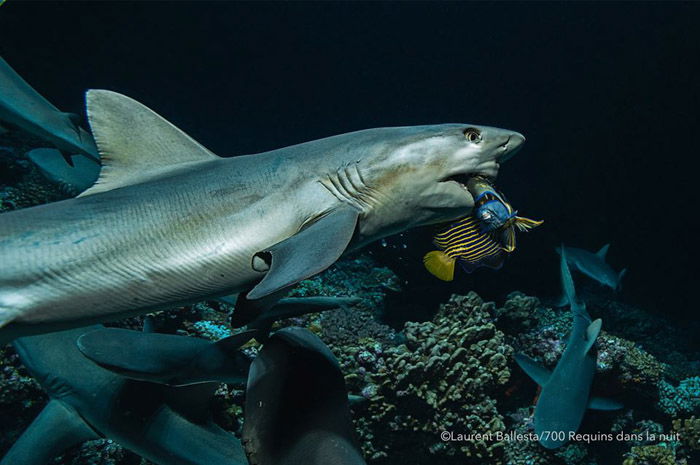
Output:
x=593 y=265
x=296 y=408
x=169 y=223
x=165 y=424
x=565 y=394
x=75 y=162
x=149 y=392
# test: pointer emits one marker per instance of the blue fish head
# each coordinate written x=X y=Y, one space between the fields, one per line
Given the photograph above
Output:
x=492 y=215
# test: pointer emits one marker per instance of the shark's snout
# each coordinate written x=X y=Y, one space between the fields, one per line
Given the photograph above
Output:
x=511 y=145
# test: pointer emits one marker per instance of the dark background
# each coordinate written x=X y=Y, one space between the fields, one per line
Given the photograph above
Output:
x=606 y=93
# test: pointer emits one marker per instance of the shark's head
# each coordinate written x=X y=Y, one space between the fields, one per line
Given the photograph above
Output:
x=415 y=176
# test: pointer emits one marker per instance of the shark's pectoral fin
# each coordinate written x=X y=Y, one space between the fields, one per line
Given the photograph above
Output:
x=247 y=310
x=164 y=358
x=592 y=333
x=306 y=253
x=135 y=143
x=601 y=403
x=54 y=430
x=534 y=370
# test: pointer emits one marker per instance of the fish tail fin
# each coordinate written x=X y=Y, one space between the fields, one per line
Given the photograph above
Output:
x=526 y=224
x=619 y=279
x=440 y=265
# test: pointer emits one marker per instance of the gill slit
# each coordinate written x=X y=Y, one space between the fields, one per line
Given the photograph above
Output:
x=348 y=186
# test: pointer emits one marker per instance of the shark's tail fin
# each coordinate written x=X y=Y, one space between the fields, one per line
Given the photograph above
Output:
x=618 y=287
x=569 y=291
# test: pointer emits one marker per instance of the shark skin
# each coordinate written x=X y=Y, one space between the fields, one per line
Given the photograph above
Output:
x=297 y=409
x=169 y=223
x=594 y=266
x=565 y=394
x=23 y=107
x=166 y=425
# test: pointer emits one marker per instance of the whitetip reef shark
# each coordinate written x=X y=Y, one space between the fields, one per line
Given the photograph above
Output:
x=296 y=407
x=164 y=424
x=169 y=223
x=147 y=391
x=565 y=394
x=592 y=265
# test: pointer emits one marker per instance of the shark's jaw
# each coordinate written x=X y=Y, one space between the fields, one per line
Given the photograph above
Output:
x=423 y=179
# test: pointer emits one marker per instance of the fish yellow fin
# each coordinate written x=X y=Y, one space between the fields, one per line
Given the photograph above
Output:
x=525 y=224
x=440 y=265
x=509 y=239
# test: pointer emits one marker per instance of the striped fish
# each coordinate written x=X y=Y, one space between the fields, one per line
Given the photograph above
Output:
x=465 y=242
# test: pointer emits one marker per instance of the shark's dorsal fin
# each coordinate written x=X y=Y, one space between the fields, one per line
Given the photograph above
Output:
x=135 y=143
x=534 y=370
x=592 y=333
x=603 y=252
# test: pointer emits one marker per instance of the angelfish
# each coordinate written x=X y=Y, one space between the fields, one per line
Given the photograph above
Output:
x=481 y=239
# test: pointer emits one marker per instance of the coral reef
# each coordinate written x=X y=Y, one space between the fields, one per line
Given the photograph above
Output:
x=683 y=399
x=439 y=380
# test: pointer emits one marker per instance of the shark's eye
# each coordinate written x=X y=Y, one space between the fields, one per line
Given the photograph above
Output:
x=472 y=135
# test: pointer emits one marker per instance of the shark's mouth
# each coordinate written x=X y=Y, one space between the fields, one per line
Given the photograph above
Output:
x=463 y=179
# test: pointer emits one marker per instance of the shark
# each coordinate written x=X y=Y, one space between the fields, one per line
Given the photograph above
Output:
x=169 y=223
x=21 y=106
x=165 y=424
x=147 y=391
x=565 y=394
x=592 y=265
x=74 y=177
x=296 y=408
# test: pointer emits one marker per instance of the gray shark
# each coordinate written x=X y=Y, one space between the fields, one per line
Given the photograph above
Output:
x=23 y=107
x=147 y=391
x=166 y=425
x=565 y=394
x=296 y=409
x=74 y=177
x=168 y=222
x=594 y=266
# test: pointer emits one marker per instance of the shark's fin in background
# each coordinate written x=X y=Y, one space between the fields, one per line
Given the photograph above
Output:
x=440 y=265
x=592 y=333
x=602 y=403
x=166 y=358
x=135 y=143
x=308 y=252
x=53 y=431
x=533 y=369
x=622 y=273
x=603 y=252
x=561 y=301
